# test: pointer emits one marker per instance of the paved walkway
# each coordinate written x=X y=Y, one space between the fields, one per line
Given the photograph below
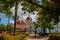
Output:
x=38 y=39
x=46 y=38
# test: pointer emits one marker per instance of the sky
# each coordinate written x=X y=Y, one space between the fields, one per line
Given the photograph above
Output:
x=21 y=14
x=3 y=18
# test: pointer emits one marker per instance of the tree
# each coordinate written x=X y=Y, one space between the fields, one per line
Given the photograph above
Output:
x=56 y=1
x=48 y=8
x=6 y=7
x=2 y=28
x=30 y=6
x=36 y=26
x=9 y=4
x=50 y=27
x=6 y=10
x=46 y=17
x=10 y=28
x=8 y=15
x=16 y=18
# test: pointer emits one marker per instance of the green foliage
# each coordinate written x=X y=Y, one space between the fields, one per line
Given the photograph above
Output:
x=45 y=3
x=50 y=26
x=10 y=28
x=46 y=17
x=29 y=7
x=2 y=28
x=36 y=25
x=16 y=17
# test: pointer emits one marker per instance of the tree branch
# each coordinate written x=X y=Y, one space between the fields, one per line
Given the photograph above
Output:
x=47 y=9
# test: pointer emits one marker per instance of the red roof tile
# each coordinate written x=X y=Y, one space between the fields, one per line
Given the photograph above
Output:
x=21 y=22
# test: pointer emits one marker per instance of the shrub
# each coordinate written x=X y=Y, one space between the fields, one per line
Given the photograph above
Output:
x=26 y=33
x=54 y=37
x=20 y=37
x=11 y=37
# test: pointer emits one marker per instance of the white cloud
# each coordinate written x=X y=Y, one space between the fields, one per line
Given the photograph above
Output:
x=13 y=10
x=12 y=21
x=22 y=15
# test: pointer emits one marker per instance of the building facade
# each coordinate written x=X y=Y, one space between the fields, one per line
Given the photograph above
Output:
x=26 y=26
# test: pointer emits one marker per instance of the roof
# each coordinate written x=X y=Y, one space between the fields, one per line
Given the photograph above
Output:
x=21 y=22
x=28 y=18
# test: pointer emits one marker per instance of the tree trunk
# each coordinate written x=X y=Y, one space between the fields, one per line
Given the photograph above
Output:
x=0 y=20
x=44 y=29
x=41 y=30
x=16 y=7
x=35 y=32
x=57 y=27
x=44 y=26
x=8 y=24
x=49 y=31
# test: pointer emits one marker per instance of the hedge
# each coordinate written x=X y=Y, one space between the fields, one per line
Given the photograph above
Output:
x=54 y=37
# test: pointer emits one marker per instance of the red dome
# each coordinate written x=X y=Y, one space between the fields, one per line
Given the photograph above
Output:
x=21 y=22
x=28 y=18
